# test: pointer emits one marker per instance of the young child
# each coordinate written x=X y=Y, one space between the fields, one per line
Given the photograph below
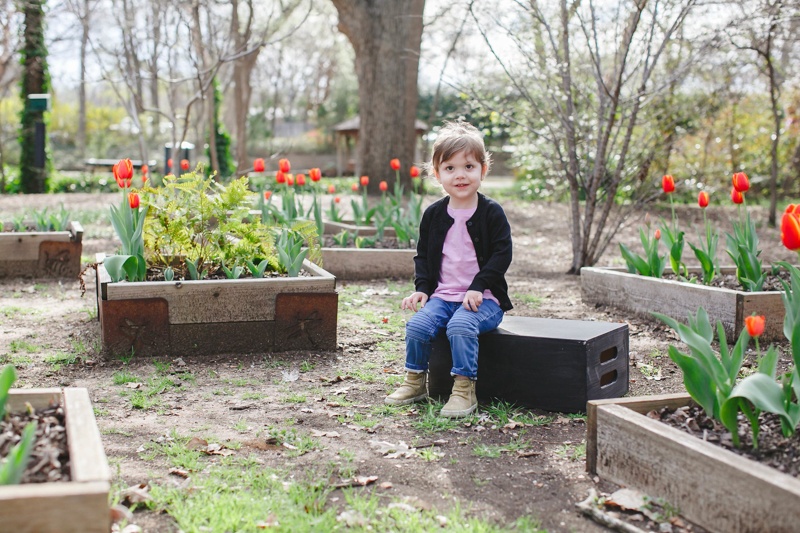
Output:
x=463 y=253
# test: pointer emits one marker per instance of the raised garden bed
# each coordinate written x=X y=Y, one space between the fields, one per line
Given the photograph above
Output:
x=332 y=228
x=79 y=505
x=206 y=317
x=52 y=254
x=709 y=485
x=616 y=287
x=369 y=263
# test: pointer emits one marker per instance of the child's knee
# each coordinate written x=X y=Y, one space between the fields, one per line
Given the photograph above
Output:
x=420 y=328
x=462 y=328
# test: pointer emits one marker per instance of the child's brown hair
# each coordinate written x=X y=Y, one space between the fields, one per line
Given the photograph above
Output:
x=455 y=137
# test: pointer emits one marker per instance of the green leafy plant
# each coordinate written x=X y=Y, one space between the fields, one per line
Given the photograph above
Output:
x=14 y=464
x=45 y=221
x=652 y=264
x=198 y=225
x=333 y=210
x=128 y=221
x=291 y=252
x=742 y=247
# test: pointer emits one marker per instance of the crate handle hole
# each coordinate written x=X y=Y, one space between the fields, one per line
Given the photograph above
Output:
x=608 y=378
x=609 y=354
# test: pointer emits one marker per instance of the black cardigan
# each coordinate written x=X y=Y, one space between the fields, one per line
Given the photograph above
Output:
x=491 y=235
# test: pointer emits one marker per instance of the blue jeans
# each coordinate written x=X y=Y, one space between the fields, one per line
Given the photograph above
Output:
x=463 y=327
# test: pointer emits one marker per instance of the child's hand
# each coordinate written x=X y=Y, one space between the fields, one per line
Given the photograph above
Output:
x=472 y=300
x=411 y=302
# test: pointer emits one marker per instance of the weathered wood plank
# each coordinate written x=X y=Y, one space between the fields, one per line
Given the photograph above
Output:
x=215 y=301
x=87 y=458
x=644 y=295
x=640 y=404
x=711 y=486
x=37 y=398
x=55 y=508
x=368 y=263
x=24 y=246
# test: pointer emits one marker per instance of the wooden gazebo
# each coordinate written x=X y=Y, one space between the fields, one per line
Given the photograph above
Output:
x=347 y=140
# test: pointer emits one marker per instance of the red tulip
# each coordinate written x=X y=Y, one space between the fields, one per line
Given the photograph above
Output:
x=354 y=187
x=290 y=180
x=284 y=165
x=658 y=234
x=133 y=199
x=740 y=182
x=337 y=199
x=315 y=174
x=258 y=165
x=145 y=170
x=144 y=178
x=184 y=164
x=301 y=179
x=414 y=172
x=668 y=183
x=123 y=173
x=702 y=199
x=280 y=177
x=169 y=163
x=395 y=164
x=736 y=196
x=790 y=227
x=383 y=186
x=364 y=181
x=331 y=188
x=755 y=325
x=267 y=195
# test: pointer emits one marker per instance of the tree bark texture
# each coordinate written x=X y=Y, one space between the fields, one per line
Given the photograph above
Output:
x=386 y=36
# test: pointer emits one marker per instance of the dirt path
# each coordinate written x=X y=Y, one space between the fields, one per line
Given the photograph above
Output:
x=335 y=399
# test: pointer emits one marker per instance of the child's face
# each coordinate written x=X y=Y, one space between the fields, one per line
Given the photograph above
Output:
x=461 y=177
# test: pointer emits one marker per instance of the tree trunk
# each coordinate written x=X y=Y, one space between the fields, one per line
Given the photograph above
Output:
x=35 y=80
x=386 y=36
x=81 y=140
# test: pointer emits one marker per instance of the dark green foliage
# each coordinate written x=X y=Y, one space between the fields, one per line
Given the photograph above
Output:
x=222 y=137
x=35 y=80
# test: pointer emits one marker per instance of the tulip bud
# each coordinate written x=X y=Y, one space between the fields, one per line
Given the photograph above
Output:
x=267 y=195
x=668 y=184
x=331 y=188
x=658 y=235
x=184 y=164
x=383 y=186
x=289 y=180
x=258 y=165
x=755 y=325
x=145 y=170
x=364 y=181
x=736 y=196
x=740 y=182
x=169 y=163
x=301 y=179
x=133 y=200
x=123 y=173
x=354 y=187
x=280 y=177
x=315 y=174
x=414 y=172
x=337 y=199
x=284 y=165
x=702 y=199
x=395 y=163
x=790 y=227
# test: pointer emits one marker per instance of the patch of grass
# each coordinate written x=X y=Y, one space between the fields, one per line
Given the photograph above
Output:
x=141 y=400
x=340 y=401
x=393 y=381
x=18 y=360
x=116 y=431
x=123 y=376
x=359 y=419
x=59 y=359
x=574 y=416
x=175 y=449
x=98 y=412
x=241 y=426
x=501 y=411
x=222 y=392
x=430 y=454
x=389 y=410
x=306 y=366
x=299 y=444
x=162 y=367
x=11 y=311
x=531 y=300
x=294 y=398
x=573 y=452
x=17 y=346
x=429 y=420
x=269 y=362
x=78 y=346
x=487 y=451
x=530 y=419
x=242 y=382
x=367 y=372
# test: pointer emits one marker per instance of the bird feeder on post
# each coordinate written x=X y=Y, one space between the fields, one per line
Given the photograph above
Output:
x=39 y=103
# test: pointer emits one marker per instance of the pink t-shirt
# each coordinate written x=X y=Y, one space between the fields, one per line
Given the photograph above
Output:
x=459 y=262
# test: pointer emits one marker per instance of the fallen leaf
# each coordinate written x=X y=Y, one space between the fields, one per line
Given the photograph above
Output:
x=365 y=480
x=329 y=434
x=178 y=472
x=136 y=494
x=386 y=485
x=290 y=375
x=626 y=499
x=289 y=446
x=196 y=443
x=513 y=424
x=133 y=385
x=120 y=513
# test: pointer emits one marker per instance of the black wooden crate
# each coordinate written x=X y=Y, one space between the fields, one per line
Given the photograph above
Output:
x=551 y=364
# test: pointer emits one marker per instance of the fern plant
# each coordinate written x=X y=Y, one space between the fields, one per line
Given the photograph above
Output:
x=197 y=225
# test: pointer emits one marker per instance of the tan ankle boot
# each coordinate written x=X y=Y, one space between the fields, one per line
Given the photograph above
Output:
x=413 y=389
x=462 y=400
